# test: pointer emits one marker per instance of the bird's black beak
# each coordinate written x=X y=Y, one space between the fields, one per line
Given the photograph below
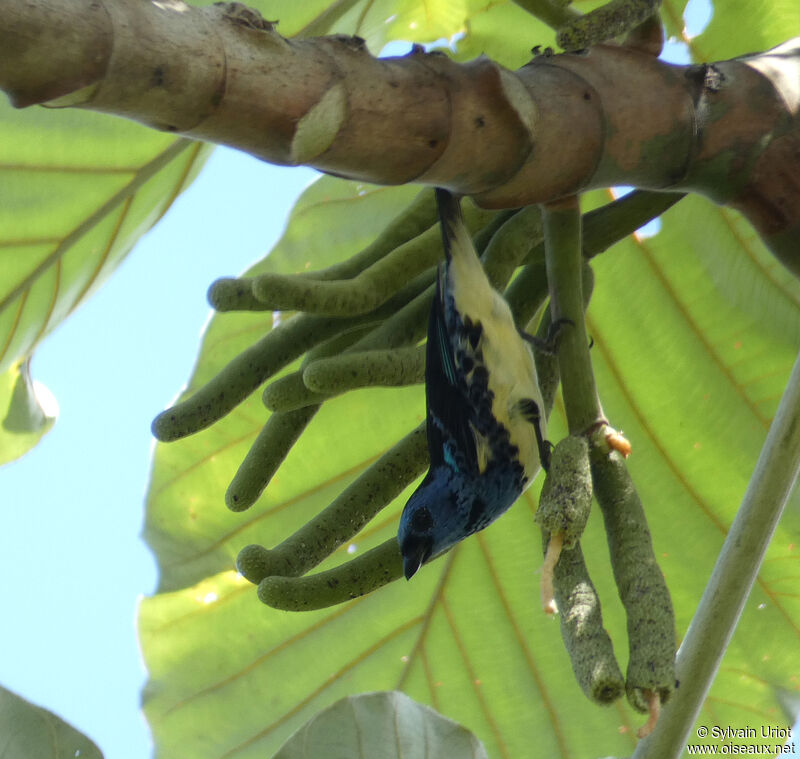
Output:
x=416 y=550
x=410 y=566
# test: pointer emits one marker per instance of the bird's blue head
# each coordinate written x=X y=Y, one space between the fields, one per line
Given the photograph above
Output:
x=434 y=519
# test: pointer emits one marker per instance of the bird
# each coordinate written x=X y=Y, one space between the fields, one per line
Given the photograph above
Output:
x=486 y=431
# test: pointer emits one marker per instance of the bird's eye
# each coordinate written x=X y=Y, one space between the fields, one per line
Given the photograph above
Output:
x=422 y=521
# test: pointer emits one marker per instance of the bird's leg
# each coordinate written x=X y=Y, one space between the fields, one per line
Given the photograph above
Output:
x=549 y=345
x=529 y=409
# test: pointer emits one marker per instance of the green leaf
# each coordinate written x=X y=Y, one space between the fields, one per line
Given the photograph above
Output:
x=672 y=15
x=77 y=190
x=381 y=21
x=315 y=237
x=292 y=17
x=29 y=412
x=27 y=730
x=695 y=333
x=376 y=21
x=496 y=29
x=387 y=725
x=744 y=26
x=505 y=33
x=690 y=374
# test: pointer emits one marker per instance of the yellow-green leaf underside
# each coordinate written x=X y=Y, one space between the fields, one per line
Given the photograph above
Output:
x=77 y=190
x=695 y=332
x=694 y=336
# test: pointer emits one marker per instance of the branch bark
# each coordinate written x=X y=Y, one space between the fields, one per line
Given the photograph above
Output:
x=558 y=126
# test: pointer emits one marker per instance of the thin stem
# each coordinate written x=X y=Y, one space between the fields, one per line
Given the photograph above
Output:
x=732 y=579
x=607 y=225
x=564 y=259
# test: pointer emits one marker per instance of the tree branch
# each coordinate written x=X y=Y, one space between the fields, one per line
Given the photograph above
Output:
x=558 y=126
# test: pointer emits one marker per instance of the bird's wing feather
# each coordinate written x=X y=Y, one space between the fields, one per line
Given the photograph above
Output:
x=449 y=411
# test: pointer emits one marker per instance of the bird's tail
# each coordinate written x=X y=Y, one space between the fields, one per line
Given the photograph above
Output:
x=453 y=229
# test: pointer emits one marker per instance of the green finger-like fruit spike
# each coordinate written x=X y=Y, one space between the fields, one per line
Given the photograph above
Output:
x=602 y=228
x=409 y=324
x=406 y=327
x=367 y=290
x=266 y=454
x=282 y=429
x=245 y=373
x=275 y=350
x=641 y=586
x=356 y=505
x=252 y=563
x=567 y=491
x=290 y=393
x=614 y=221
x=413 y=220
x=483 y=237
x=232 y=294
x=526 y=294
x=264 y=358
x=338 y=343
x=512 y=243
x=355 y=578
x=603 y=23
x=586 y=640
x=564 y=507
x=388 y=368
x=547 y=367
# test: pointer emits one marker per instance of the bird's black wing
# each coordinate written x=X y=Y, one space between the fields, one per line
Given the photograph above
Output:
x=449 y=410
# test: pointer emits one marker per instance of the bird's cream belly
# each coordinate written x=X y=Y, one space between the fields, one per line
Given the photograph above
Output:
x=506 y=356
x=512 y=378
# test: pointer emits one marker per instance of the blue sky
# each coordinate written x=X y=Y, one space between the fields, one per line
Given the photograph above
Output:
x=73 y=507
